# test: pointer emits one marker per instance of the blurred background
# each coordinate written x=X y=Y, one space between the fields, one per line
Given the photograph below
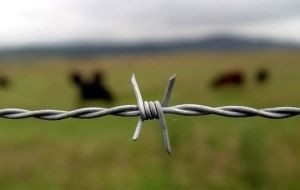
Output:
x=68 y=54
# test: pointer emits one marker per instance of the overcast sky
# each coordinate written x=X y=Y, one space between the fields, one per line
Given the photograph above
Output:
x=27 y=22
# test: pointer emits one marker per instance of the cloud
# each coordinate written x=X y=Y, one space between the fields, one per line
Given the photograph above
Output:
x=52 y=21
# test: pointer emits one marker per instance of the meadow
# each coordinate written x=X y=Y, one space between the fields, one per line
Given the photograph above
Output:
x=209 y=152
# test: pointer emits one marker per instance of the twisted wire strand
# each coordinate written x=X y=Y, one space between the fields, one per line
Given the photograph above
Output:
x=133 y=110
x=152 y=110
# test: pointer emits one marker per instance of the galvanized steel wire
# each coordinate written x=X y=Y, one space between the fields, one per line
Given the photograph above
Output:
x=133 y=110
x=152 y=110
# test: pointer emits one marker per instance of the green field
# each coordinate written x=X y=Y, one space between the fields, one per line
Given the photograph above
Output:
x=209 y=152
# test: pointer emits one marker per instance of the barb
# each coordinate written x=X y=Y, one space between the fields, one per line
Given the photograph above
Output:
x=152 y=110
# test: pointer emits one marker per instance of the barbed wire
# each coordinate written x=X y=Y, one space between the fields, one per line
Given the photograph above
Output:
x=132 y=110
x=152 y=110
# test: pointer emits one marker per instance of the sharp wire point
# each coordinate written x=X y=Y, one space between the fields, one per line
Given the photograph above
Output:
x=138 y=96
x=173 y=76
x=137 y=129
x=168 y=91
x=164 y=127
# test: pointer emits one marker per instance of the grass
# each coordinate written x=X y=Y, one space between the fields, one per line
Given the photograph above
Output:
x=210 y=152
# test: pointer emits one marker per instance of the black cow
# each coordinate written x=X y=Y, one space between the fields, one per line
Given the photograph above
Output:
x=93 y=89
x=4 y=82
x=262 y=75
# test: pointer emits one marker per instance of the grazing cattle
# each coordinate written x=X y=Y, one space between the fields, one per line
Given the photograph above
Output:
x=232 y=78
x=4 y=82
x=93 y=89
x=262 y=75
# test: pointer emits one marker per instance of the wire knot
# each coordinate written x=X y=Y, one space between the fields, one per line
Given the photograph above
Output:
x=153 y=110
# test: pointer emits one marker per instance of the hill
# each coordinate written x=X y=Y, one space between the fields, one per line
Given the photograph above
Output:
x=212 y=43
